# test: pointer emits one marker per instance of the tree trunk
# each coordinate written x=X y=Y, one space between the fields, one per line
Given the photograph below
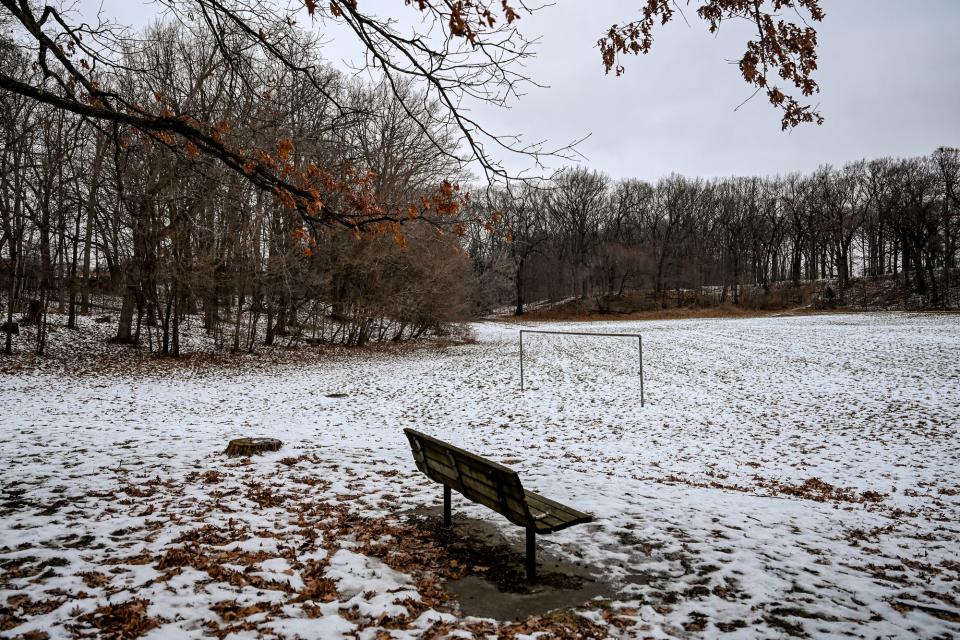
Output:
x=518 y=275
x=125 y=324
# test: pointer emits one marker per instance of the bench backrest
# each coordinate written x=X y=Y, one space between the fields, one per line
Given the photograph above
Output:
x=478 y=479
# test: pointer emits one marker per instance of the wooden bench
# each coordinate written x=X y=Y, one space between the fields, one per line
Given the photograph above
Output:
x=492 y=485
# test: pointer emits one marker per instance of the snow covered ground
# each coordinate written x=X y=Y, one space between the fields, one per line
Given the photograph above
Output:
x=788 y=476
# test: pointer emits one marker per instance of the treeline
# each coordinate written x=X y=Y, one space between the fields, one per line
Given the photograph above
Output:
x=90 y=213
x=141 y=228
x=583 y=235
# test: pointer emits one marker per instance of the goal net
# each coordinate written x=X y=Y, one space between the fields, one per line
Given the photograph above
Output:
x=580 y=359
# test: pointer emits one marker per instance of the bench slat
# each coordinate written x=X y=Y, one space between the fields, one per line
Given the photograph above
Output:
x=440 y=444
x=510 y=484
x=545 y=520
x=559 y=516
x=479 y=492
x=546 y=504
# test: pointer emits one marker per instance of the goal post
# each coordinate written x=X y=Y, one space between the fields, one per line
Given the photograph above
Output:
x=587 y=334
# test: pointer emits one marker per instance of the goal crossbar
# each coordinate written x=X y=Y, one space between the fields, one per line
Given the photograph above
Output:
x=587 y=334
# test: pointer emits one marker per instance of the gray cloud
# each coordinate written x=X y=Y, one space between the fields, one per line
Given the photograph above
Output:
x=888 y=75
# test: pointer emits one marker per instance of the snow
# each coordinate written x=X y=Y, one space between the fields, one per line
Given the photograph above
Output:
x=787 y=475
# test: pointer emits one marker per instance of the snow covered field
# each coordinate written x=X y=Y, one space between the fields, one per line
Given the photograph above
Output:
x=788 y=476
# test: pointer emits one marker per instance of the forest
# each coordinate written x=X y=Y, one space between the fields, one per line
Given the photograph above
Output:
x=92 y=225
x=146 y=231
x=586 y=236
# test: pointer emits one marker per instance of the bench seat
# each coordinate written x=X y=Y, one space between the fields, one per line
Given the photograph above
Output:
x=550 y=516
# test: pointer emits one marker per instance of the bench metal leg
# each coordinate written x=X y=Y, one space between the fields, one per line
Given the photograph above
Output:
x=447 y=515
x=531 y=554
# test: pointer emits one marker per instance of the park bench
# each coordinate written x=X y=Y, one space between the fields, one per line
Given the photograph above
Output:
x=492 y=485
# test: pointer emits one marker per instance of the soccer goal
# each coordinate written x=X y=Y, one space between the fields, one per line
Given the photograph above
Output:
x=630 y=336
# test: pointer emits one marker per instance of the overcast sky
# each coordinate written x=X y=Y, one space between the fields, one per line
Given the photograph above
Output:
x=889 y=77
